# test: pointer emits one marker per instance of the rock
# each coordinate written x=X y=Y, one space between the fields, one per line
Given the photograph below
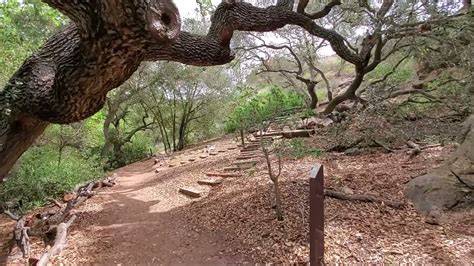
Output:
x=157 y=171
x=348 y=191
x=319 y=122
x=438 y=191
x=353 y=151
x=448 y=187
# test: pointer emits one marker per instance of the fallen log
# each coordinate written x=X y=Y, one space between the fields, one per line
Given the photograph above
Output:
x=303 y=133
x=59 y=242
x=54 y=220
x=363 y=198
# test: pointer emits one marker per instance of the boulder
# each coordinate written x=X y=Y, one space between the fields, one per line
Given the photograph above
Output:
x=449 y=187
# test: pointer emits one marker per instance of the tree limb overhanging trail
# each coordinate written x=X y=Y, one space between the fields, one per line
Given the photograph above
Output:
x=67 y=80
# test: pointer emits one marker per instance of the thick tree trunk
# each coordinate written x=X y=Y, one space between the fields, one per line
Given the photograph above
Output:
x=68 y=78
x=349 y=94
x=312 y=94
x=21 y=135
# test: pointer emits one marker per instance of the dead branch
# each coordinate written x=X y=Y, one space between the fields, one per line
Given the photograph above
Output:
x=59 y=243
x=11 y=215
x=55 y=202
x=415 y=148
x=363 y=198
x=21 y=236
x=381 y=144
x=460 y=180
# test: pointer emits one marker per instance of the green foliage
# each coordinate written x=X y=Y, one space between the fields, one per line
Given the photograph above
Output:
x=298 y=149
x=38 y=175
x=252 y=109
x=444 y=94
x=24 y=26
x=404 y=73
x=132 y=152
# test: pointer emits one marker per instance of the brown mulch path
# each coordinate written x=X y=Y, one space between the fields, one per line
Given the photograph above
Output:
x=145 y=220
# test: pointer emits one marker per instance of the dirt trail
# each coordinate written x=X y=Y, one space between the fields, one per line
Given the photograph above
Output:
x=138 y=220
x=145 y=220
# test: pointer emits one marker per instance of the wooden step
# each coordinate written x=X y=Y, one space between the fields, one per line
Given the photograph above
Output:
x=247 y=157
x=191 y=192
x=245 y=167
x=231 y=148
x=191 y=159
x=182 y=162
x=217 y=174
x=214 y=153
x=248 y=162
x=210 y=181
x=203 y=156
x=250 y=150
x=231 y=169
x=302 y=133
x=269 y=134
x=221 y=151
x=252 y=145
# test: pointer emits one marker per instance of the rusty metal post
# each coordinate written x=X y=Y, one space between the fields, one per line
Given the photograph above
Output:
x=316 y=215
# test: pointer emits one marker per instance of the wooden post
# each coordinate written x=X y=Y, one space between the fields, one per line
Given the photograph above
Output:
x=242 y=134
x=316 y=215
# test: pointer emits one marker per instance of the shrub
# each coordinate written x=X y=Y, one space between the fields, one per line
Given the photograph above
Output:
x=253 y=108
x=39 y=176
x=298 y=149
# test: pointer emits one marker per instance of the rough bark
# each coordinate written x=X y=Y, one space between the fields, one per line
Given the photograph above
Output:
x=349 y=94
x=68 y=78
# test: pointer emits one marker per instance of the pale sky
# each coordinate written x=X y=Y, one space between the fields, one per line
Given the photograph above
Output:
x=188 y=7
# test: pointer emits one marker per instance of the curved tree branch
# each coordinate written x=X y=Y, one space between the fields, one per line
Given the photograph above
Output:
x=213 y=48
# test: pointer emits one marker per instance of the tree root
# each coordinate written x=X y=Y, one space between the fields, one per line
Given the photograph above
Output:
x=363 y=198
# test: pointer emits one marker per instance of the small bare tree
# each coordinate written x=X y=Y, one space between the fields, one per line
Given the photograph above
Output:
x=269 y=148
